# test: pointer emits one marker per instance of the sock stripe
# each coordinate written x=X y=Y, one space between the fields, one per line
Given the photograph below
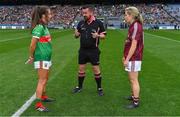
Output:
x=97 y=75
x=135 y=99
x=81 y=74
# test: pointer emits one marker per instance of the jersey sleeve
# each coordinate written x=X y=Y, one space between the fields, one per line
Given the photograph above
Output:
x=136 y=32
x=37 y=31
x=101 y=28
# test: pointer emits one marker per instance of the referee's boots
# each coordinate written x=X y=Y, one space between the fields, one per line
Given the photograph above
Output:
x=77 y=89
x=100 y=92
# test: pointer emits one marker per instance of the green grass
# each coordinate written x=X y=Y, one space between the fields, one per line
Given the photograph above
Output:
x=159 y=78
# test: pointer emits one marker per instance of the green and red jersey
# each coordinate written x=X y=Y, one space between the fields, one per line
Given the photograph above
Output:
x=43 y=49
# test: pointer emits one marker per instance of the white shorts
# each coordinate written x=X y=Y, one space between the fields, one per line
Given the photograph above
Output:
x=133 y=66
x=42 y=64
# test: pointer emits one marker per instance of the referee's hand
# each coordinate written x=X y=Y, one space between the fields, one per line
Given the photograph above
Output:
x=76 y=34
x=95 y=35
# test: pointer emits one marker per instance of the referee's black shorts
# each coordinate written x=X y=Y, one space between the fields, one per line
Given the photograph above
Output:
x=89 y=56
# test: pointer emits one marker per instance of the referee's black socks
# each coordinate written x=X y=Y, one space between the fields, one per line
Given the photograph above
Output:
x=81 y=77
x=98 y=80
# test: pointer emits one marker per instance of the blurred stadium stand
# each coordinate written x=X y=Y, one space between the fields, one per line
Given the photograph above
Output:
x=66 y=14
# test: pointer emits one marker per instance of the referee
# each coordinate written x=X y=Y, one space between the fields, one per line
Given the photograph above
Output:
x=90 y=30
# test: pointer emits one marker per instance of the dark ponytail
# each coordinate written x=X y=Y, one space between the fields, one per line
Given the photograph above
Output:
x=37 y=13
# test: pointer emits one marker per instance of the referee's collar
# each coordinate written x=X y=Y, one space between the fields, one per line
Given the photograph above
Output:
x=91 y=20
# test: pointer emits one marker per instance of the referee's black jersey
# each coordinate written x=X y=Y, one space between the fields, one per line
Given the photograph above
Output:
x=85 y=29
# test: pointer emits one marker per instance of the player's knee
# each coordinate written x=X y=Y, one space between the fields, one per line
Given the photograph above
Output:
x=96 y=70
x=133 y=81
x=81 y=70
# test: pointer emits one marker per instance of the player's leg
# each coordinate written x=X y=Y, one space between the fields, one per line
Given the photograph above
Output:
x=81 y=77
x=42 y=79
x=98 y=79
x=82 y=60
x=133 y=77
x=94 y=57
x=97 y=75
x=46 y=65
x=44 y=97
x=130 y=97
x=44 y=89
x=133 y=71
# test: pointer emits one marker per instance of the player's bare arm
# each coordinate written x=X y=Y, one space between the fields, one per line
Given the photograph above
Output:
x=131 y=51
x=32 y=49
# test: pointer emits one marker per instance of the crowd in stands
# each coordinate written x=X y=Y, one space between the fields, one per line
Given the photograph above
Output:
x=21 y=15
x=174 y=10
x=153 y=14
x=15 y=14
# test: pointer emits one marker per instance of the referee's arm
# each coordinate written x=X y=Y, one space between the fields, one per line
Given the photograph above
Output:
x=102 y=35
x=99 y=35
x=102 y=31
x=77 y=31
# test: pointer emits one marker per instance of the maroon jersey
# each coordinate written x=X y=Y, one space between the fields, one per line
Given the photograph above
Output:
x=135 y=32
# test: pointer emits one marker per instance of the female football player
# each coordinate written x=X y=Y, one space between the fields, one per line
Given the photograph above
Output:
x=133 y=52
x=40 y=52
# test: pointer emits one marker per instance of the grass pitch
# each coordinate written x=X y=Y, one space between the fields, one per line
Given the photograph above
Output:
x=159 y=79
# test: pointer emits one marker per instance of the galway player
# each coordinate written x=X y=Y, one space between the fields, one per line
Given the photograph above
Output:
x=133 y=52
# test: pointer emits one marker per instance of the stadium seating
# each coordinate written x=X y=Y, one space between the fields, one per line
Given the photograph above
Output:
x=155 y=14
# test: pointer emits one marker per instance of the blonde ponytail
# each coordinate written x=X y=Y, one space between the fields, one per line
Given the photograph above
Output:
x=140 y=19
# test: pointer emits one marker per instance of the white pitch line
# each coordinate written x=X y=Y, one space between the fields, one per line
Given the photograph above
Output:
x=163 y=37
x=13 y=39
x=25 y=106
x=28 y=103
x=23 y=37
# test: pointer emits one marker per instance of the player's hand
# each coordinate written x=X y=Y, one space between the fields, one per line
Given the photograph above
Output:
x=123 y=59
x=30 y=60
x=125 y=63
x=76 y=33
x=95 y=35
